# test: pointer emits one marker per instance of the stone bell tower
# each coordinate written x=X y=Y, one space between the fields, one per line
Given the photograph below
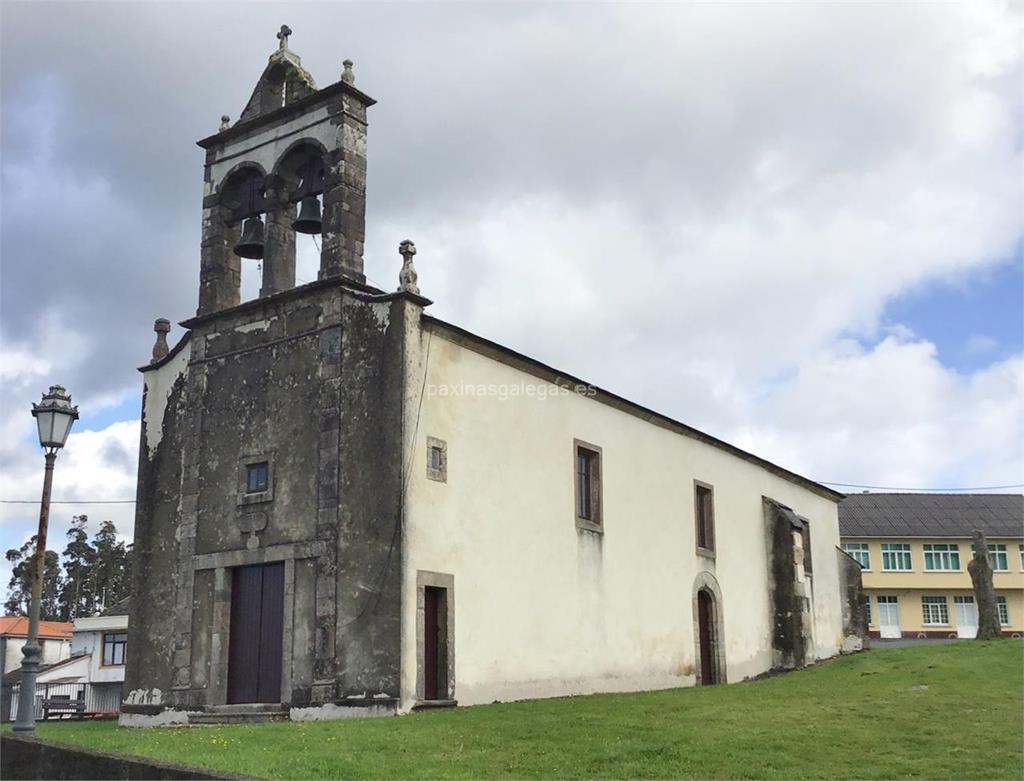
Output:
x=293 y=144
x=268 y=526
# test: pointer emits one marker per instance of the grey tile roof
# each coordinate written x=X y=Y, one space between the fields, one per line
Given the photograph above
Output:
x=931 y=515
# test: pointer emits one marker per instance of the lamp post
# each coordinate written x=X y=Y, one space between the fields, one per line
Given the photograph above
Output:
x=54 y=416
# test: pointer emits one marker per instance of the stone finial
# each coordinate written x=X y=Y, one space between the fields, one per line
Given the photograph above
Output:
x=225 y=122
x=407 y=277
x=347 y=74
x=162 y=326
x=282 y=36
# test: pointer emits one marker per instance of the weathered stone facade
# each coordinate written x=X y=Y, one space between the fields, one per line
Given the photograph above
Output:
x=307 y=380
x=319 y=434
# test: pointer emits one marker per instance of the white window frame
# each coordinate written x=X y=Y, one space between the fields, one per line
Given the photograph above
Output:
x=941 y=554
x=941 y=607
x=897 y=553
x=1004 y=610
x=996 y=553
x=858 y=550
x=1021 y=547
x=867 y=609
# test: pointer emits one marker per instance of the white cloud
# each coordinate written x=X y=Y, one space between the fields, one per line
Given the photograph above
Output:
x=703 y=207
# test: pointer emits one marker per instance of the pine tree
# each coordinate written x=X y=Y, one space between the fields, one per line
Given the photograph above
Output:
x=78 y=596
x=19 y=588
x=112 y=575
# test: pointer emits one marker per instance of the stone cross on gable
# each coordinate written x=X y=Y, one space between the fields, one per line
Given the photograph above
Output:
x=283 y=36
x=407 y=277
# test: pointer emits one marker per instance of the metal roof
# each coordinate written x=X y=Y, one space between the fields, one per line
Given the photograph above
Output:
x=931 y=515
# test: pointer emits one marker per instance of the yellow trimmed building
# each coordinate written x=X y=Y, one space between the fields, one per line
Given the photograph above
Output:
x=914 y=550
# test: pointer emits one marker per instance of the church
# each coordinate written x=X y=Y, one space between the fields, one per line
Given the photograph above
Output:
x=347 y=507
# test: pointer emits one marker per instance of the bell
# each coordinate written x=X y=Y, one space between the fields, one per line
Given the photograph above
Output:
x=308 y=220
x=251 y=243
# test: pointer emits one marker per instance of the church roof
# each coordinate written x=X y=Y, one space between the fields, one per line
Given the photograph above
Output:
x=931 y=515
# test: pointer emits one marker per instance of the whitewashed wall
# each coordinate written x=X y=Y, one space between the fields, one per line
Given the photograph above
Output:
x=88 y=638
x=542 y=609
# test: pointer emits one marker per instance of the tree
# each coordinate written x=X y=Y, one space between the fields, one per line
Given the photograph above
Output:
x=19 y=588
x=112 y=580
x=980 y=570
x=78 y=590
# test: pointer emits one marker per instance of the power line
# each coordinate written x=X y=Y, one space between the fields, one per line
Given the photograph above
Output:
x=69 y=501
x=903 y=488
x=823 y=482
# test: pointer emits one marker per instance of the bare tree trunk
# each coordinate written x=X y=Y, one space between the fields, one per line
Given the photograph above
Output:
x=984 y=592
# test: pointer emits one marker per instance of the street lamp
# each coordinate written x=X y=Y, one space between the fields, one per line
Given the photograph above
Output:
x=54 y=416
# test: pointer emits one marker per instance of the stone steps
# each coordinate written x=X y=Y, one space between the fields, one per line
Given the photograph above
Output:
x=240 y=714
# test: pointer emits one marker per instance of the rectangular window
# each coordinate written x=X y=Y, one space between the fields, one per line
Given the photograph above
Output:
x=896 y=557
x=998 y=557
x=867 y=608
x=257 y=477
x=114 y=646
x=1021 y=547
x=704 y=509
x=941 y=557
x=936 y=611
x=859 y=551
x=805 y=544
x=588 y=486
x=1004 y=611
x=437 y=459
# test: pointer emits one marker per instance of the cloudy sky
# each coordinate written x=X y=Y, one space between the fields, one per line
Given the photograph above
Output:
x=795 y=226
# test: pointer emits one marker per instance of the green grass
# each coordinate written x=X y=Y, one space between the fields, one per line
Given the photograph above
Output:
x=949 y=711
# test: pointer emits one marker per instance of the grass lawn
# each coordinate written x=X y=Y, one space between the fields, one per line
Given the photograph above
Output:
x=948 y=711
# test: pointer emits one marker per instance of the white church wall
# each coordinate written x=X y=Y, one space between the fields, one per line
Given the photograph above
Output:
x=543 y=609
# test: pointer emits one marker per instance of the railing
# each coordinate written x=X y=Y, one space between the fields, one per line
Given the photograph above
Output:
x=71 y=700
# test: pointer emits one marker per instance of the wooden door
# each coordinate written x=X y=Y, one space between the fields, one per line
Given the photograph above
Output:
x=257 y=633
x=435 y=661
x=706 y=629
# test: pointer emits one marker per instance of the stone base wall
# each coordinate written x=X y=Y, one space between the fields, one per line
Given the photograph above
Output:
x=31 y=758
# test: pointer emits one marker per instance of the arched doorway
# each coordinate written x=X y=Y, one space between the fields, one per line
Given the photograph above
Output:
x=708 y=636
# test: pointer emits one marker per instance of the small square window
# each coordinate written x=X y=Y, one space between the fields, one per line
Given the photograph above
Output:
x=588 y=486
x=437 y=459
x=257 y=477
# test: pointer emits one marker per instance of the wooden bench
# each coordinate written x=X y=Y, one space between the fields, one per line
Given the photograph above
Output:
x=62 y=707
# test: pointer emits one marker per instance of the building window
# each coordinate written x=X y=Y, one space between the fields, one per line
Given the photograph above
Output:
x=860 y=552
x=896 y=557
x=998 y=557
x=704 y=508
x=1004 y=611
x=257 y=477
x=936 y=611
x=941 y=557
x=1021 y=547
x=867 y=609
x=114 y=646
x=588 y=486
x=805 y=544
x=437 y=459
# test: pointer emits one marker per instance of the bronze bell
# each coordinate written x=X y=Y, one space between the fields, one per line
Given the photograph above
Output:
x=308 y=220
x=251 y=243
